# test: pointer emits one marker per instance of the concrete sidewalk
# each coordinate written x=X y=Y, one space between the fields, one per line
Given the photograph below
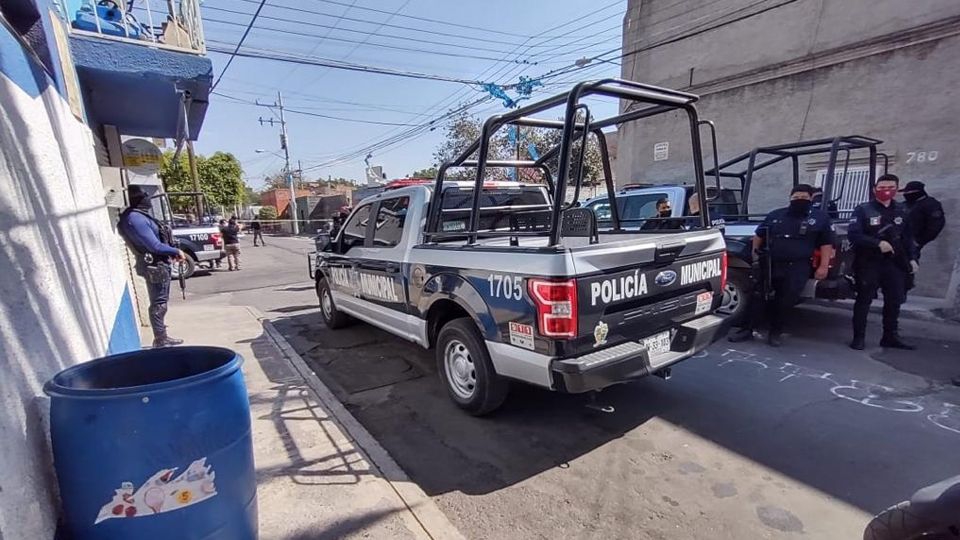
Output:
x=320 y=474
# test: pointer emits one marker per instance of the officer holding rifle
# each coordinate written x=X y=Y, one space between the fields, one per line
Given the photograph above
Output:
x=885 y=257
x=152 y=241
x=783 y=248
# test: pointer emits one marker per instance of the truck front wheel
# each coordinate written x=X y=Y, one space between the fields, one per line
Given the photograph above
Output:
x=466 y=370
x=332 y=316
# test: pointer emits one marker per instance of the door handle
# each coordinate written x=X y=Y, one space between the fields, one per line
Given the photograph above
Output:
x=392 y=267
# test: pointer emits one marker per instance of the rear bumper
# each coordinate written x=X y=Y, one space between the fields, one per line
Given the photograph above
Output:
x=628 y=361
x=213 y=255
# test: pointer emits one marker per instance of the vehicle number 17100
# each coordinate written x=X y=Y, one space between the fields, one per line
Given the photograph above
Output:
x=509 y=287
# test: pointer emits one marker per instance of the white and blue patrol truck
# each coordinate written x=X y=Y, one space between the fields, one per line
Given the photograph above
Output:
x=510 y=281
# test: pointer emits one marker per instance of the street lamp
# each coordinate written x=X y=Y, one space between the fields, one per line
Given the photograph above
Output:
x=582 y=62
x=262 y=151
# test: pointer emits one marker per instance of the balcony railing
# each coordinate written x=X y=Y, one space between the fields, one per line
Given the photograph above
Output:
x=170 y=24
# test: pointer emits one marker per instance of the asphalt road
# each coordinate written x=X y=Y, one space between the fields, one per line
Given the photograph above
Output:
x=744 y=441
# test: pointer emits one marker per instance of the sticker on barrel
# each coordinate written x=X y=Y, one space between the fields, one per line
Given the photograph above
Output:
x=162 y=493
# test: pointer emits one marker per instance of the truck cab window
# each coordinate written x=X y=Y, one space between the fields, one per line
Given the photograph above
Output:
x=390 y=221
x=355 y=230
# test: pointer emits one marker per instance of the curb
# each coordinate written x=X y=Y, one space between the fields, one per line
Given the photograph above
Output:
x=433 y=521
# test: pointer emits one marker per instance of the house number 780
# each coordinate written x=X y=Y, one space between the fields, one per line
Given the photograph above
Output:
x=922 y=157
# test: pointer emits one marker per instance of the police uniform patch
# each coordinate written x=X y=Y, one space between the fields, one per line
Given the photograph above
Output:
x=812 y=221
x=874 y=221
x=898 y=220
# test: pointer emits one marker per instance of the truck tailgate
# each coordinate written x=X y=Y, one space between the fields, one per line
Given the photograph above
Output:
x=644 y=299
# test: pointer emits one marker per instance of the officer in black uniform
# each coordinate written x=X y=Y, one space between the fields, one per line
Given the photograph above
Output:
x=794 y=233
x=885 y=255
x=925 y=214
x=152 y=241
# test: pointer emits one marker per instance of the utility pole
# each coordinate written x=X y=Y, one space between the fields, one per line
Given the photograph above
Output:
x=195 y=177
x=284 y=144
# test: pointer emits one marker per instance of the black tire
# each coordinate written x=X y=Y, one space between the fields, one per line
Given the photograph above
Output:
x=189 y=267
x=477 y=389
x=900 y=523
x=332 y=317
x=737 y=296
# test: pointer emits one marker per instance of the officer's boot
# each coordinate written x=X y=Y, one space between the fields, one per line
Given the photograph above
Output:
x=741 y=334
x=163 y=340
x=860 y=311
x=891 y=339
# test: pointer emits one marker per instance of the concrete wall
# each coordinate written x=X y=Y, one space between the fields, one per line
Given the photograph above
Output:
x=63 y=290
x=903 y=93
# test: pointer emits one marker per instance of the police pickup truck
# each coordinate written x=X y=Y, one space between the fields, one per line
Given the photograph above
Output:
x=203 y=244
x=506 y=282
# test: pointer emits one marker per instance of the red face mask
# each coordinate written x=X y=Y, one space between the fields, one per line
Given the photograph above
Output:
x=885 y=194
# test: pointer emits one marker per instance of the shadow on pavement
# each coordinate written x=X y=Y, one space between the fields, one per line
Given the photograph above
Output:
x=344 y=528
x=804 y=424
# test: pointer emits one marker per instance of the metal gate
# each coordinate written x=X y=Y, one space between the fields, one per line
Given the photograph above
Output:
x=852 y=192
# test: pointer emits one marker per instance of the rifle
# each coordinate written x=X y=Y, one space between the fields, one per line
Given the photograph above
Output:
x=762 y=269
x=899 y=255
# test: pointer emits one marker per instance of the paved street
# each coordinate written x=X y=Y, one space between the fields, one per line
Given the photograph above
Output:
x=742 y=442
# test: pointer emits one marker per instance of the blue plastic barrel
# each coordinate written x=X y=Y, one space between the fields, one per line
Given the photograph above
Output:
x=155 y=445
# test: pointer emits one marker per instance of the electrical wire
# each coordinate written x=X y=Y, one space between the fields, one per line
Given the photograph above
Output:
x=319 y=42
x=281 y=56
x=352 y=31
x=308 y=113
x=397 y=26
x=344 y=40
x=239 y=43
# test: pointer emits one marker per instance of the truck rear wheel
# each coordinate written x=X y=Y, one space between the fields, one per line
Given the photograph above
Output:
x=332 y=316
x=466 y=370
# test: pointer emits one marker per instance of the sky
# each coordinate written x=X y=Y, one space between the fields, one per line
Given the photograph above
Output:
x=506 y=39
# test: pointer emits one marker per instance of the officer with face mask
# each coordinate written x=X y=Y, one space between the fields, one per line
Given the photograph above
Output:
x=664 y=211
x=885 y=254
x=924 y=213
x=785 y=242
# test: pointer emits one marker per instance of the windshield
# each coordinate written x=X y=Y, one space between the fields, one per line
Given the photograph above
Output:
x=499 y=207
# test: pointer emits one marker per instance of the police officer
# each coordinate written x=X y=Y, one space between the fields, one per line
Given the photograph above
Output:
x=924 y=213
x=151 y=241
x=662 y=220
x=885 y=254
x=794 y=233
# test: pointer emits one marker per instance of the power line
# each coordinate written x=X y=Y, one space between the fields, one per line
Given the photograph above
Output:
x=240 y=43
x=355 y=47
x=397 y=26
x=426 y=19
x=344 y=40
x=408 y=135
x=281 y=56
x=361 y=32
x=308 y=113
x=320 y=41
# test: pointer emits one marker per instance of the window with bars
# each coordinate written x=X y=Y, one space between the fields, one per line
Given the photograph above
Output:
x=850 y=191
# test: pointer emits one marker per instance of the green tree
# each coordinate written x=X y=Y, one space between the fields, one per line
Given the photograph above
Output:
x=267 y=213
x=251 y=196
x=430 y=172
x=463 y=129
x=220 y=175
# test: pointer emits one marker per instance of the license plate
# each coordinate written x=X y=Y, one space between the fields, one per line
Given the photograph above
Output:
x=658 y=345
x=209 y=247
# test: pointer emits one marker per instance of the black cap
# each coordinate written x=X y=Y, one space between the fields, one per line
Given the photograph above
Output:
x=913 y=185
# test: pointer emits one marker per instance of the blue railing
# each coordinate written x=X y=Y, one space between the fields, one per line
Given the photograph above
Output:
x=173 y=24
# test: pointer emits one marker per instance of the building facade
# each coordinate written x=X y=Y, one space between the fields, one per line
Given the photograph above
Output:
x=66 y=292
x=779 y=72
x=279 y=198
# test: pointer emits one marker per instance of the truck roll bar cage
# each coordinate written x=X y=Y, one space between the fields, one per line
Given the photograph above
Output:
x=577 y=125
x=745 y=165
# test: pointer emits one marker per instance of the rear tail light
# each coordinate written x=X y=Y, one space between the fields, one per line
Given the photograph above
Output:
x=556 y=303
x=217 y=239
x=723 y=271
